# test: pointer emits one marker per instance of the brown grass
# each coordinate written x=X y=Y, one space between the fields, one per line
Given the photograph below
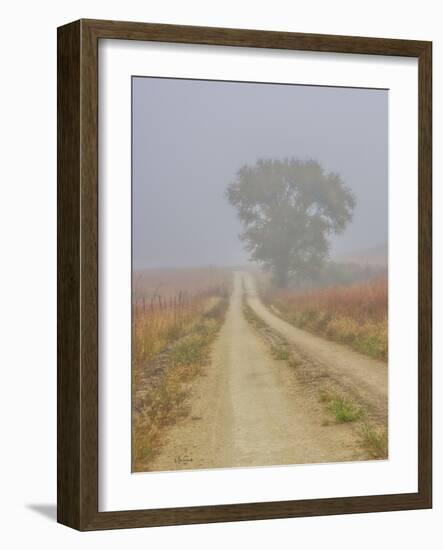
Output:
x=375 y=440
x=167 y=302
x=356 y=315
x=173 y=329
x=338 y=402
x=150 y=284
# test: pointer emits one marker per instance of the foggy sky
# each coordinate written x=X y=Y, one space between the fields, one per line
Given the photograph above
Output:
x=190 y=138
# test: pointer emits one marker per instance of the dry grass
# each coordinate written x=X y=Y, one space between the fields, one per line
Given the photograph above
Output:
x=167 y=303
x=356 y=315
x=337 y=401
x=375 y=440
x=161 y=402
x=173 y=329
x=151 y=284
x=161 y=324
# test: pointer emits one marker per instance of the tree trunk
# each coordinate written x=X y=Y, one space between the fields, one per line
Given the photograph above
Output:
x=281 y=275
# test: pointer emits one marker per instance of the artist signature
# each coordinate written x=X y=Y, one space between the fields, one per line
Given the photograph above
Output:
x=183 y=459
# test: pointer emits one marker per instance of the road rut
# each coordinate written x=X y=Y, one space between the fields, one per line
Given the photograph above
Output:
x=249 y=409
x=363 y=377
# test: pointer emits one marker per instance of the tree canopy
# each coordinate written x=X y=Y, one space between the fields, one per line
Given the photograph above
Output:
x=288 y=209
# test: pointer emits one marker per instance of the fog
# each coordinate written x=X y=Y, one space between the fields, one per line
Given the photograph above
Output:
x=190 y=137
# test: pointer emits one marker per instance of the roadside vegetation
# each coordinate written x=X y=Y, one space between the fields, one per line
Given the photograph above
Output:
x=342 y=408
x=375 y=440
x=173 y=329
x=338 y=405
x=166 y=303
x=278 y=346
x=373 y=437
x=356 y=315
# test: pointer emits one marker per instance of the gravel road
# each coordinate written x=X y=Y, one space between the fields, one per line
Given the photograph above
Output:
x=249 y=409
x=363 y=377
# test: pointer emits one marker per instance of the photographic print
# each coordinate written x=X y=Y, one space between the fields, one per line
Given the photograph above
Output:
x=244 y=258
x=259 y=274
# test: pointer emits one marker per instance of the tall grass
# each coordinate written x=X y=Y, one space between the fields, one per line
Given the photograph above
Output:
x=167 y=302
x=176 y=316
x=158 y=324
x=356 y=315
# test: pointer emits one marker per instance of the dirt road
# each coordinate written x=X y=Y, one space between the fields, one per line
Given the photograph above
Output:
x=361 y=376
x=248 y=408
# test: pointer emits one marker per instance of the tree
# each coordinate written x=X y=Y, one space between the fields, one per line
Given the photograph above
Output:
x=288 y=209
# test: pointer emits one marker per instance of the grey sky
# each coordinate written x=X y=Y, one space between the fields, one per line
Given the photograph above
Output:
x=191 y=137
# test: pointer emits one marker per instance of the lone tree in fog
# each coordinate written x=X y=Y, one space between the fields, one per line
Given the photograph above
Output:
x=288 y=209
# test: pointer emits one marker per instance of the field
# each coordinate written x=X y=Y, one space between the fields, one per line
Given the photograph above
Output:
x=176 y=315
x=167 y=302
x=356 y=315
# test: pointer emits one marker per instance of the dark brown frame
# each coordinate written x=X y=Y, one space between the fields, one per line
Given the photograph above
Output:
x=77 y=454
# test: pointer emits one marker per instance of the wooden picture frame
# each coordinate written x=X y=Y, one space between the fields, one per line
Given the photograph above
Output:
x=77 y=456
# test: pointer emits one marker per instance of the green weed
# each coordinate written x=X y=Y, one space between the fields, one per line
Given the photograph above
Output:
x=281 y=354
x=344 y=410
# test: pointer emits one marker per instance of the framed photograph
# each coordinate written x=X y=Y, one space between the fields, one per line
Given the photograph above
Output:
x=244 y=274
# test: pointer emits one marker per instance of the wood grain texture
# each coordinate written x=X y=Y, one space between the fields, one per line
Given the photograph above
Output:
x=68 y=275
x=77 y=174
x=254 y=38
x=425 y=273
